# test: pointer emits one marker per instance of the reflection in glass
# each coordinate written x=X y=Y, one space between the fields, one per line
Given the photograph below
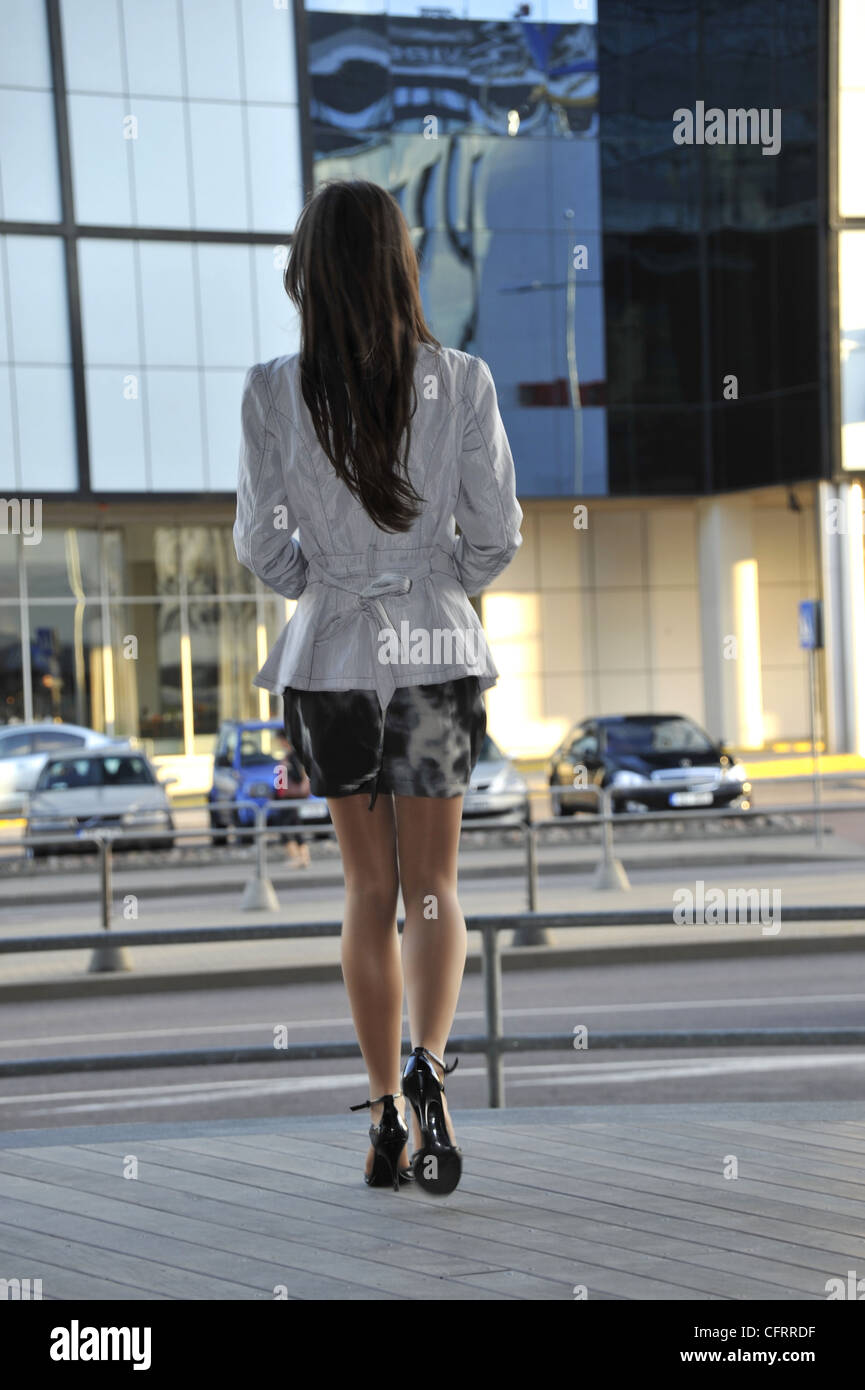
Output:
x=152 y=559
x=210 y=563
x=160 y=702
x=11 y=675
x=65 y=564
x=224 y=662
x=66 y=662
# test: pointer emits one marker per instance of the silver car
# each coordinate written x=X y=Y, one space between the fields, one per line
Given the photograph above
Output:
x=100 y=790
x=496 y=788
x=24 y=750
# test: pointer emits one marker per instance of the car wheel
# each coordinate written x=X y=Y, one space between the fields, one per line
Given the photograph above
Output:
x=241 y=836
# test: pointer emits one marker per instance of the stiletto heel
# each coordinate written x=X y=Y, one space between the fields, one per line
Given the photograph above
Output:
x=437 y=1165
x=388 y=1140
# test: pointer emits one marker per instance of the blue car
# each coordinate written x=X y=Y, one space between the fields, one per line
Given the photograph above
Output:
x=245 y=761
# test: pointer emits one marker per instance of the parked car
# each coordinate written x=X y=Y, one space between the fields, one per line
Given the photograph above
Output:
x=245 y=762
x=100 y=789
x=25 y=748
x=497 y=788
x=639 y=756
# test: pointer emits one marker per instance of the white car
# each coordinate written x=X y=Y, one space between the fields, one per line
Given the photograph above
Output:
x=25 y=749
x=115 y=790
x=497 y=789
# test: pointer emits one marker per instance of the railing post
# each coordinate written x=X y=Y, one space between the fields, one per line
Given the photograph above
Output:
x=259 y=894
x=532 y=936
x=610 y=873
x=493 y=1003
x=106 y=958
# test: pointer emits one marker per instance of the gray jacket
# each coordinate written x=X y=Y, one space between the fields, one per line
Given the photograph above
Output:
x=377 y=611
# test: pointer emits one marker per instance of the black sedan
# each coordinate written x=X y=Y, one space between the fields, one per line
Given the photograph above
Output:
x=653 y=762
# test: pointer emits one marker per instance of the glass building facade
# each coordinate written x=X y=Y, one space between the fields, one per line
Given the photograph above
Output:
x=153 y=160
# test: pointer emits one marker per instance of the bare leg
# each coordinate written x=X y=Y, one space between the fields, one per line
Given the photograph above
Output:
x=434 y=936
x=371 y=964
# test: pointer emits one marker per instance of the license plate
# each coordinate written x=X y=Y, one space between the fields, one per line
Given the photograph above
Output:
x=691 y=798
x=478 y=803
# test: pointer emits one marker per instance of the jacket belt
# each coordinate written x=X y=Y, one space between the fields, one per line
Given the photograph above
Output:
x=369 y=590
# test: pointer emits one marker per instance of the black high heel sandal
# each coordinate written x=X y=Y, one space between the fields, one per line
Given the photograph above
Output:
x=437 y=1165
x=388 y=1139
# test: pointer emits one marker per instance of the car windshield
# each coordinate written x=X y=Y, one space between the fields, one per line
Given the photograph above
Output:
x=261 y=746
x=656 y=736
x=490 y=752
x=67 y=774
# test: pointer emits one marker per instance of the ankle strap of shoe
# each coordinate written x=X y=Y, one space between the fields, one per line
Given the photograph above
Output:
x=394 y=1095
x=447 y=1070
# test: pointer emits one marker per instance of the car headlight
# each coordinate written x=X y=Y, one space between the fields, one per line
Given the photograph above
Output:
x=734 y=773
x=507 y=779
x=144 y=818
x=630 y=779
x=260 y=789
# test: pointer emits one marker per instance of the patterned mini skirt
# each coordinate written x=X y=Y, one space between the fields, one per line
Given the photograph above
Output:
x=426 y=745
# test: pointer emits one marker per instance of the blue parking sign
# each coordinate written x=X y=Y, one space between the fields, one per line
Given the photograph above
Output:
x=811 y=624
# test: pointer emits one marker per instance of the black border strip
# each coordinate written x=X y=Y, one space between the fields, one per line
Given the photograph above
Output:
x=66 y=229
x=301 y=52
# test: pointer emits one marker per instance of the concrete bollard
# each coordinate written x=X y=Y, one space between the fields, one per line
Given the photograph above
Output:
x=259 y=894
x=107 y=958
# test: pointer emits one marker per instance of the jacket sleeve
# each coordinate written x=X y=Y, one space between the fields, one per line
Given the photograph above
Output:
x=264 y=523
x=487 y=511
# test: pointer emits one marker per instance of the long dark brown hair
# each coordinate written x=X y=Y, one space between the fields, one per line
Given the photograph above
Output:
x=352 y=273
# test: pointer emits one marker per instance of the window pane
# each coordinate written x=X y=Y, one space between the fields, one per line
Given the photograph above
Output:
x=8 y=450
x=109 y=308
x=153 y=47
x=277 y=178
x=100 y=161
x=168 y=303
x=210 y=562
x=92 y=45
x=11 y=678
x=66 y=662
x=152 y=559
x=224 y=663
x=227 y=287
x=115 y=415
x=278 y=322
x=174 y=421
x=24 y=57
x=222 y=394
x=219 y=166
x=29 y=181
x=270 y=70
x=159 y=164
x=211 y=41
x=64 y=565
x=147 y=688
x=48 y=456
x=36 y=296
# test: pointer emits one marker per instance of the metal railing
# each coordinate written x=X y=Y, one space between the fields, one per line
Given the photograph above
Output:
x=609 y=874
x=494 y=1043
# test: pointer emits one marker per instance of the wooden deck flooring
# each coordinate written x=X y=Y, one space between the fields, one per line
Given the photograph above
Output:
x=625 y=1202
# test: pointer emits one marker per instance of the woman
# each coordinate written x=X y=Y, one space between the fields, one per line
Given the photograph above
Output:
x=295 y=785
x=358 y=456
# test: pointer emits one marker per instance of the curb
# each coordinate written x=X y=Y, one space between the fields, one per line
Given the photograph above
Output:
x=512 y=959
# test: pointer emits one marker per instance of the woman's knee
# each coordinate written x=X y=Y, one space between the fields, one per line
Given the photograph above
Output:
x=375 y=894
